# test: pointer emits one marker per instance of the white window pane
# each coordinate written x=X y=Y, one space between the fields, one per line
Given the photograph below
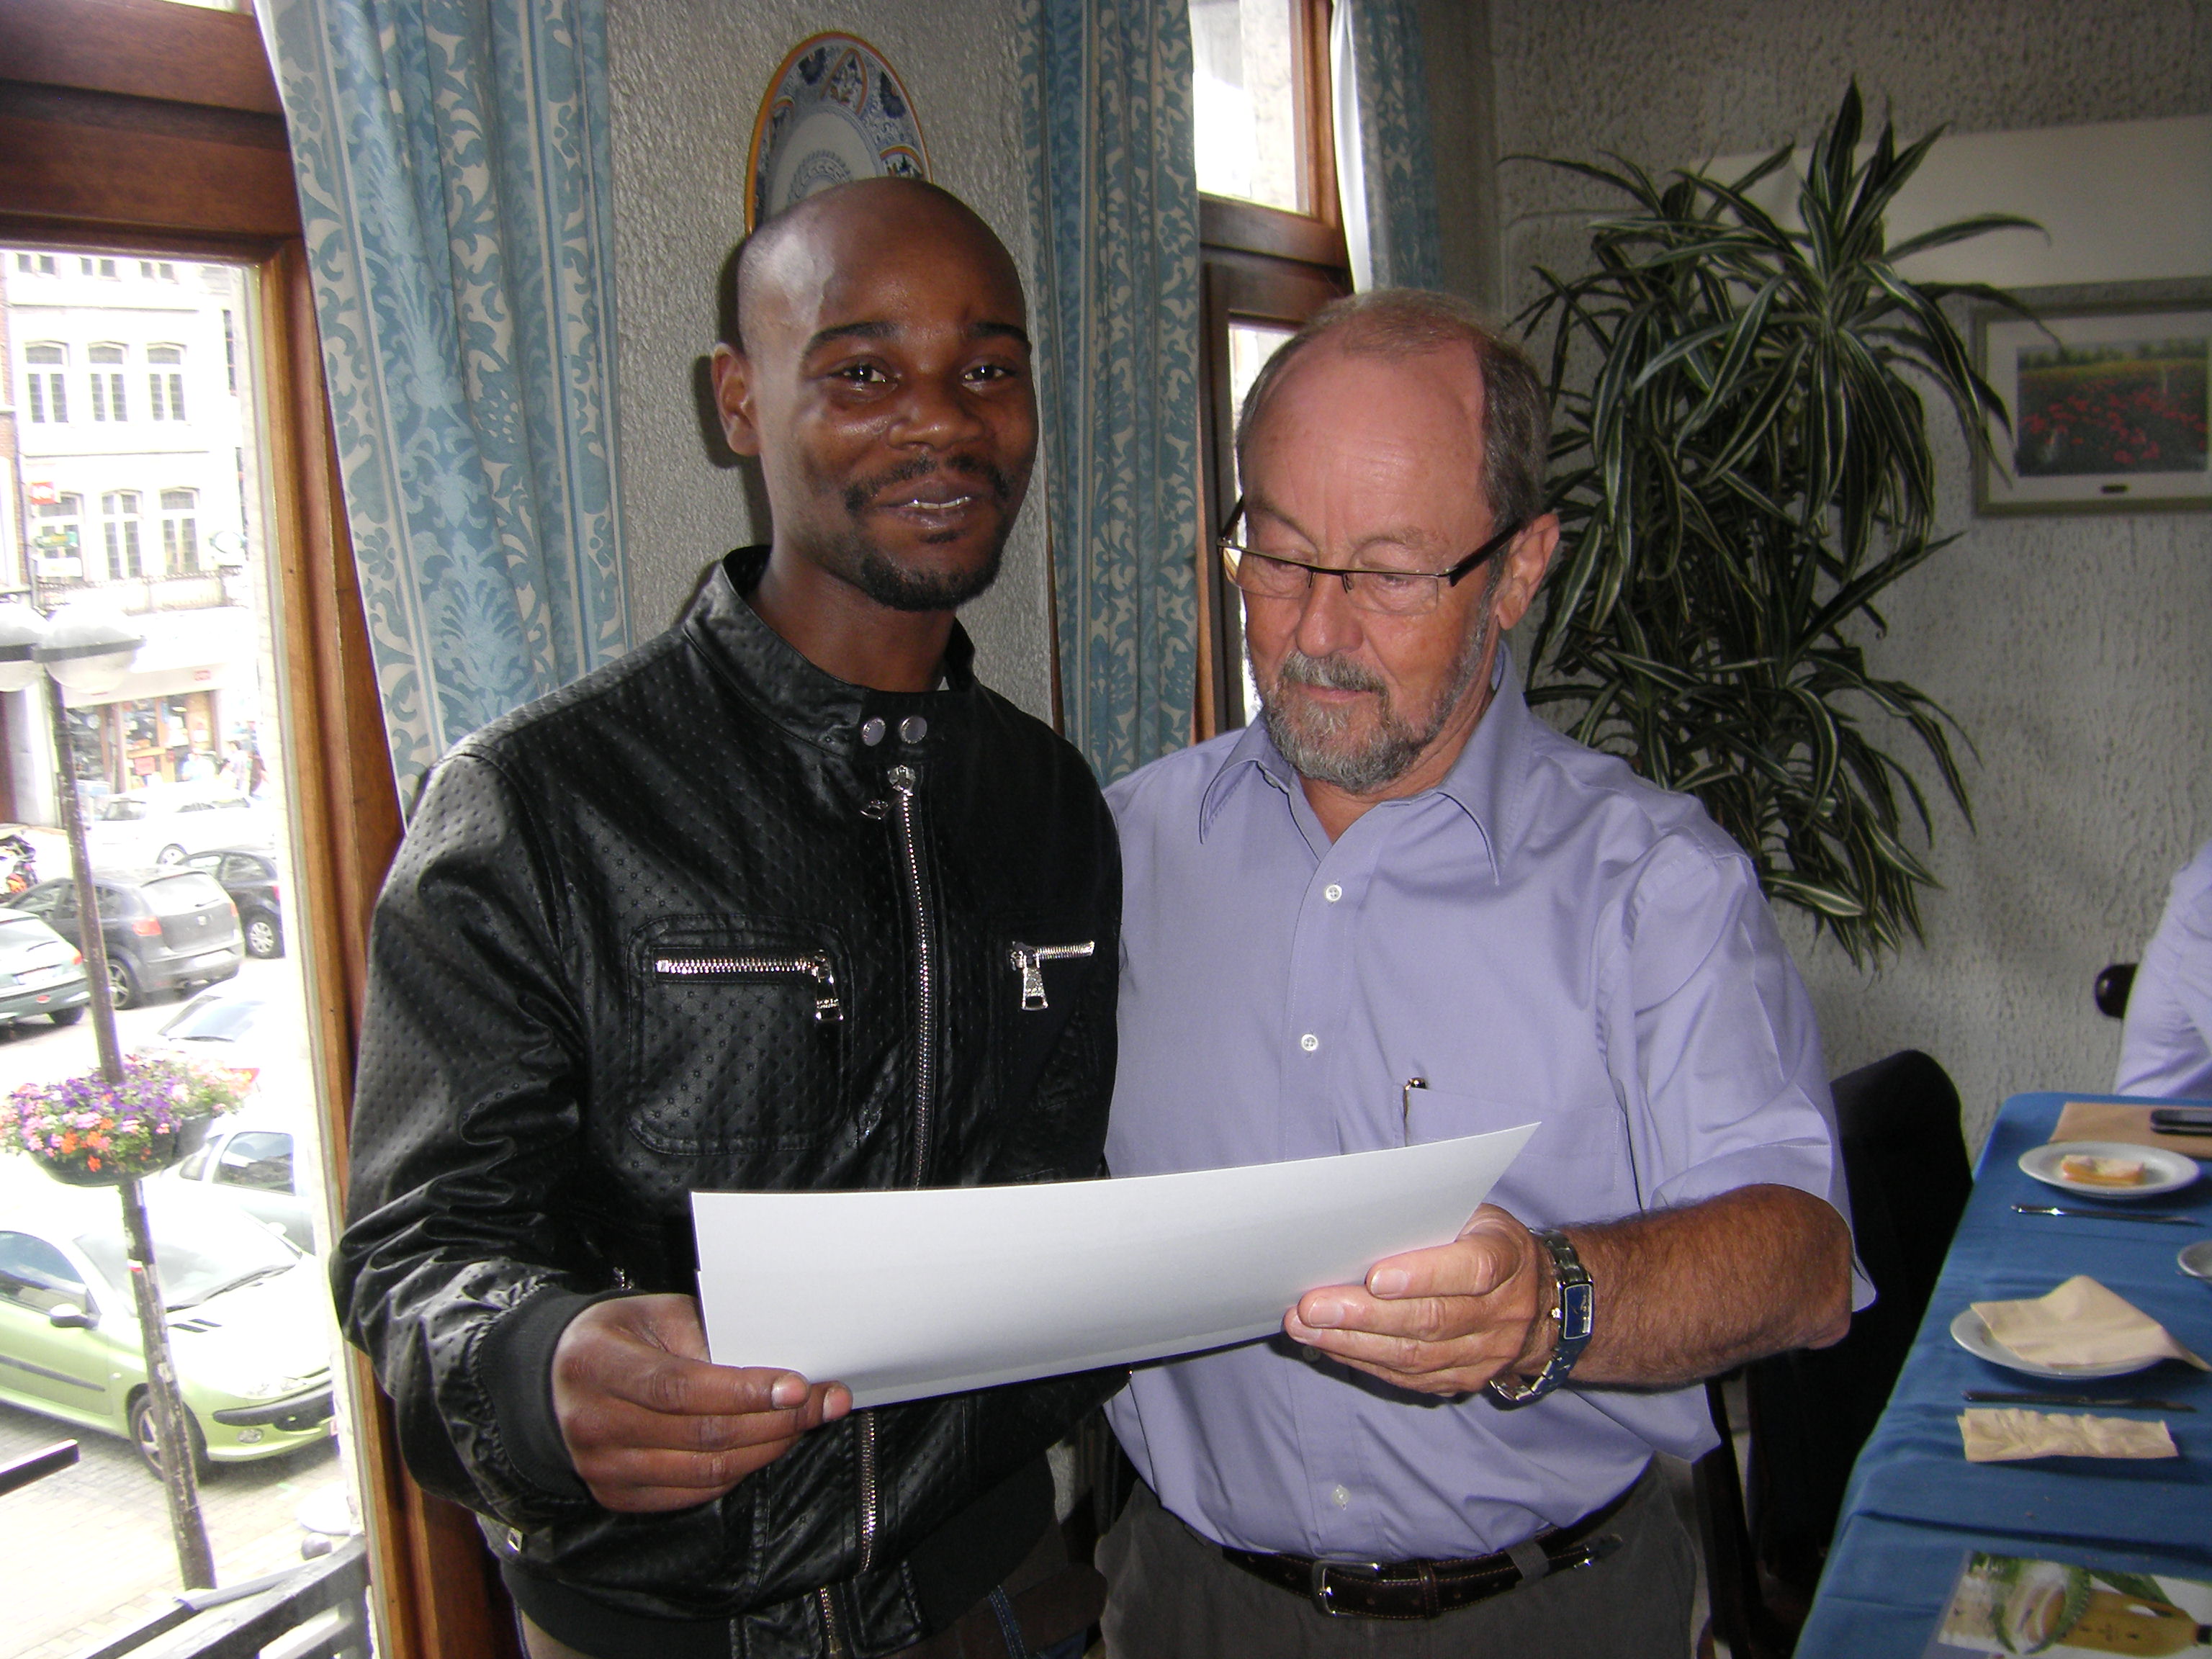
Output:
x=1250 y=345
x=1243 y=104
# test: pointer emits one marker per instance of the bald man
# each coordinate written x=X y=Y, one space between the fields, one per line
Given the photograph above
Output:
x=783 y=900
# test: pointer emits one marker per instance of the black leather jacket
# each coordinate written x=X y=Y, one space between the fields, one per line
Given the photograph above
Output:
x=684 y=925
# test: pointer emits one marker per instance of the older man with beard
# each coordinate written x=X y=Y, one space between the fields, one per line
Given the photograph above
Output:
x=1399 y=909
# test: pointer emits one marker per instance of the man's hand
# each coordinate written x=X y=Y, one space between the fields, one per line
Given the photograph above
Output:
x=651 y=1425
x=1443 y=1321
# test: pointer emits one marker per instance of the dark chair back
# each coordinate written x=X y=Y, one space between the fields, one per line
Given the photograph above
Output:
x=1905 y=1159
x=2110 y=992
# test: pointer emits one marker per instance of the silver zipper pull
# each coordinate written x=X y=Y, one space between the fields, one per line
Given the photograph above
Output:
x=902 y=779
x=1029 y=961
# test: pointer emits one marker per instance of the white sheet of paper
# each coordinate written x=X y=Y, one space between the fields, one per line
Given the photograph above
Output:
x=902 y=1294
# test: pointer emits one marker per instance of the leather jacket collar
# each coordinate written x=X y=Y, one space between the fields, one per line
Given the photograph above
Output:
x=812 y=706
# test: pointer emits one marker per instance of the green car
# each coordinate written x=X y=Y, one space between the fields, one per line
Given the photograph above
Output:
x=248 y=1319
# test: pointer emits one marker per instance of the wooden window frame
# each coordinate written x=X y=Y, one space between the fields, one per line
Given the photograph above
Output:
x=1259 y=264
x=139 y=127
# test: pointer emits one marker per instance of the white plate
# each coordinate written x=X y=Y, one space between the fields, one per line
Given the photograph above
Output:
x=2163 y=1171
x=835 y=110
x=2196 y=1259
x=1968 y=1331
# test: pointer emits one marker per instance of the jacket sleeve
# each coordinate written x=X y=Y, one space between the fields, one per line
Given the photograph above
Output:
x=466 y=1123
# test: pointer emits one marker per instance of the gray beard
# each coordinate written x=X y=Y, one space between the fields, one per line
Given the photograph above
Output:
x=1319 y=743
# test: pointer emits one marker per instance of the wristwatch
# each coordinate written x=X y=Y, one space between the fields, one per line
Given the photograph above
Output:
x=1574 y=1313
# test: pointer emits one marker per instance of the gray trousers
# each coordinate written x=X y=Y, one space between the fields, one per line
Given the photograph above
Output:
x=1172 y=1594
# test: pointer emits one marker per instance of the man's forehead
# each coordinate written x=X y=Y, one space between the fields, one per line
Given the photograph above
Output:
x=889 y=266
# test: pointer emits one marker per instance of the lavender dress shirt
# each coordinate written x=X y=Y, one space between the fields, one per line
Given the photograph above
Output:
x=1543 y=935
x=2166 y=1047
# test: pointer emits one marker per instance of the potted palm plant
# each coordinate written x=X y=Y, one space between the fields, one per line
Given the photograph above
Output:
x=1742 y=468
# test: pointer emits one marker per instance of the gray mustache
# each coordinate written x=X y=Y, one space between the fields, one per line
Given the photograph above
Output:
x=1330 y=673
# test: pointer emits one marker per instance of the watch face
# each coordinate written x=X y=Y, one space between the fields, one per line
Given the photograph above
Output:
x=1577 y=1304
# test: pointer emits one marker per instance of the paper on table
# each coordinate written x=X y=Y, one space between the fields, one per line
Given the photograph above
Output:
x=2005 y=1437
x=902 y=1295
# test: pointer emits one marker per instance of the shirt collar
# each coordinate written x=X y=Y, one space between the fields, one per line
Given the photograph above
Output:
x=1483 y=783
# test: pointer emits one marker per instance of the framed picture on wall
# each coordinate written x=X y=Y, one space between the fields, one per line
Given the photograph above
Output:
x=2109 y=408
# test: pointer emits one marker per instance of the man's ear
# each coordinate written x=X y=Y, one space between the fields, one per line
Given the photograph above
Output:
x=1526 y=562
x=733 y=400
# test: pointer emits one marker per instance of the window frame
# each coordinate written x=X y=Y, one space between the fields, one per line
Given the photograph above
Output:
x=1259 y=264
x=139 y=128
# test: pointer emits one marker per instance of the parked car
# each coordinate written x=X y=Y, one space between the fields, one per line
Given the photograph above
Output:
x=40 y=972
x=248 y=1319
x=165 y=823
x=247 y=1158
x=248 y=874
x=164 y=929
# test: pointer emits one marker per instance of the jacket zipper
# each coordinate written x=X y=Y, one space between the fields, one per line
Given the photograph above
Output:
x=1029 y=961
x=831 y=1630
x=816 y=967
x=904 y=782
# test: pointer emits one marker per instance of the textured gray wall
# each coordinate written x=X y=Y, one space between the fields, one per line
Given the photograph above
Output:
x=686 y=79
x=2076 y=651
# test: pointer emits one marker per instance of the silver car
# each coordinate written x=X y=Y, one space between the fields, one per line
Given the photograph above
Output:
x=40 y=973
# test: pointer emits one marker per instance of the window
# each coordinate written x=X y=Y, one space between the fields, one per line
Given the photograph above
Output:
x=1245 y=101
x=230 y=352
x=35 y=264
x=107 y=403
x=260 y=1159
x=43 y=389
x=1272 y=254
x=119 y=508
x=157 y=270
x=97 y=267
x=165 y=382
x=181 y=545
x=36 y=1276
x=58 y=530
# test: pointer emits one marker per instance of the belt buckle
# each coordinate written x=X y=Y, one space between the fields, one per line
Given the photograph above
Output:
x=1319 y=1590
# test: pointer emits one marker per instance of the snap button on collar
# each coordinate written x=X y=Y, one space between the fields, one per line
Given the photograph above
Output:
x=913 y=729
x=872 y=730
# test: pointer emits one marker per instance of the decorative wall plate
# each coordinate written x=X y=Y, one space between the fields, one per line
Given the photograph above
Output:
x=835 y=110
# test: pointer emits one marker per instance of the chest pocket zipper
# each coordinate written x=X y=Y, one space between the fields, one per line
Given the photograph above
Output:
x=828 y=1009
x=1029 y=961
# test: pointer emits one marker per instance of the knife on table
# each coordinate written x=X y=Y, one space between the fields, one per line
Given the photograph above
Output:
x=1992 y=1397
x=2110 y=1215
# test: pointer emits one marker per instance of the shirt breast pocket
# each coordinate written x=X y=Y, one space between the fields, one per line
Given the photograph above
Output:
x=1576 y=1167
x=738 y=1039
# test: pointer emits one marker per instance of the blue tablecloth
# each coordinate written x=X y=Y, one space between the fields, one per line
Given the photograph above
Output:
x=1916 y=1506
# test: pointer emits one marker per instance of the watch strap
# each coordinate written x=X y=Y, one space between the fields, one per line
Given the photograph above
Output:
x=1574 y=1311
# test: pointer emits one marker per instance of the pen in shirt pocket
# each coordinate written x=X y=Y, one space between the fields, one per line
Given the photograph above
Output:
x=1406 y=1107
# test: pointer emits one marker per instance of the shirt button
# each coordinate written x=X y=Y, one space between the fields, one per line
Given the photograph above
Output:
x=913 y=729
x=1332 y=893
x=1338 y=1496
x=872 y=730
x=1308 y=1042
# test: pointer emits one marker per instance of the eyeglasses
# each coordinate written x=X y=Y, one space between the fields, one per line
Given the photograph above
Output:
x=1384 y=592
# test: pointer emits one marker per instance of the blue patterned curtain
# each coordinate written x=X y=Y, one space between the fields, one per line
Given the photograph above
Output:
x=1114 y=197
x=454 y=172
x=1386 y=169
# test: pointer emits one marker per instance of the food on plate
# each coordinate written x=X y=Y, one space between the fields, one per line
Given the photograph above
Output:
x=2093 y=1171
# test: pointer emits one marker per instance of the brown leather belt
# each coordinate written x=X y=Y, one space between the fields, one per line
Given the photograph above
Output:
x=1424 y=1589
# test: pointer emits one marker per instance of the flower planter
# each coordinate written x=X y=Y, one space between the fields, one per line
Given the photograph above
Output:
x=169 y=1147
x=89 y=1132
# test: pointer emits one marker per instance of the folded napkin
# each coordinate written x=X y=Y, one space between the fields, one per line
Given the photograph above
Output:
x=2004 y=1436
x=2081 y=1323
x=2113 y=1119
